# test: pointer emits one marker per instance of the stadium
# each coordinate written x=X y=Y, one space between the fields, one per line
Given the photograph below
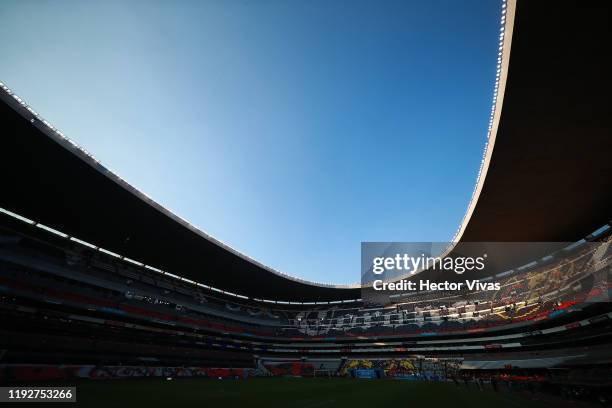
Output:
x=104 y=289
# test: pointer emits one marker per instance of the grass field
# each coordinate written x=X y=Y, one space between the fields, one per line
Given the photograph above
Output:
x=290 y=393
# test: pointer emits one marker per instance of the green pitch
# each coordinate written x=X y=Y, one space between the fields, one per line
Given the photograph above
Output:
x=290 y=393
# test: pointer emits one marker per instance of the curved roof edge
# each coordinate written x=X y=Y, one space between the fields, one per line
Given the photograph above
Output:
x=70 y=145
x=88 y=158
x=503 y=61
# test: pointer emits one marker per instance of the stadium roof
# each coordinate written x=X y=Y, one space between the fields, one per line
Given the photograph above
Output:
x=546 y=173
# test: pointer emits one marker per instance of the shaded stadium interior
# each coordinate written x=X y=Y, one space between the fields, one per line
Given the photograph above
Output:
x=547 y=177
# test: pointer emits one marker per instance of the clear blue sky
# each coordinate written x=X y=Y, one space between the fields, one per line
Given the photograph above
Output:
x=290 y=130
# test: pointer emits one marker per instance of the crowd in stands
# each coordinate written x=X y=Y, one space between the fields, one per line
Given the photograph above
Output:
x=90 y=280
x=415 y=368
x=66 y=304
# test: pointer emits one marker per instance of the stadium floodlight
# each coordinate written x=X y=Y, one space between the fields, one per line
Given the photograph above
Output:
x=51 y=230
x=133 y=261
x=106 y=251
x=85 y=243
x=17 y=216
x=154 y=269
